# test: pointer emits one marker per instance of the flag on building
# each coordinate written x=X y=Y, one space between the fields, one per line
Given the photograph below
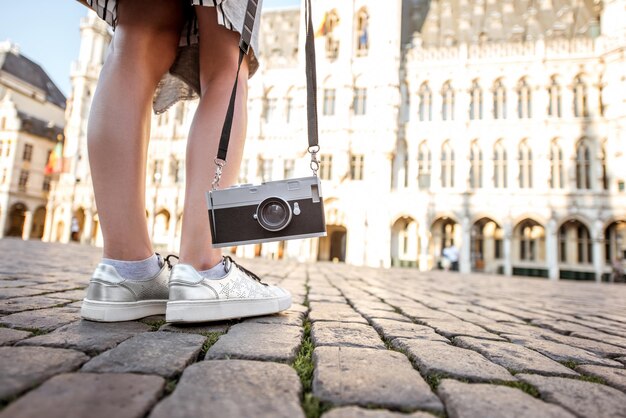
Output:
x=321 y=30
x=55 y=162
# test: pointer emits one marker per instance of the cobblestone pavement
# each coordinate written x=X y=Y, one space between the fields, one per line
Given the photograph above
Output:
x=358 y=342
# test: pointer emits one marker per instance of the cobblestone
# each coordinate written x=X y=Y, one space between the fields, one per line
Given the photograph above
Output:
x=9 y=306
x=163 y=353
x=561 y=352
x=24 y=367
x=612 y=376
x=584 y=399
x=395 y=329
x=356 y=412
x=89 y=395
x=258 y=342
x=204 y=328
x=9 y=336
x=465 y=400
x=437 y=358
x=234 y=388
x=514 y=357
x=41 y=319
x=90 y=337
x=345 y=334
x=324 y=311
x=369 y=377
x=428 y=329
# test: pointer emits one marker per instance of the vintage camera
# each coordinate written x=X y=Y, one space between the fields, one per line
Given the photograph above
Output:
x=271 y=211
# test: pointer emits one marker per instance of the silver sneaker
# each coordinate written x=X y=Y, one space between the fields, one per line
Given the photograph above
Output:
x=238 y=294
x=111 y=298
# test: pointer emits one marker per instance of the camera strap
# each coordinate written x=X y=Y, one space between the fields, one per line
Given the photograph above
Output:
x=311 y=85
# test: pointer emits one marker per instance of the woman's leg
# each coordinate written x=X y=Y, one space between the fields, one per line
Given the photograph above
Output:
x=143 y=48
x=219 y=53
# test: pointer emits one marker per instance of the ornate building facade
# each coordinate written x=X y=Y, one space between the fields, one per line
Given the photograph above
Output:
x=32 y=117
x=495 y=127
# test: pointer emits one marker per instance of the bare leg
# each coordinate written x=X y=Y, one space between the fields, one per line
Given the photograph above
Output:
x=219 y=53
x=142 y=50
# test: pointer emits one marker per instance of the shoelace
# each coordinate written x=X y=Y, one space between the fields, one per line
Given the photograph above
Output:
x=246 y=271
x=167 y=260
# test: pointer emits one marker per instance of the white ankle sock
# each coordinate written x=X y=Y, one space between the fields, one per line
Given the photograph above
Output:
x=216 y=272
x=136 y=270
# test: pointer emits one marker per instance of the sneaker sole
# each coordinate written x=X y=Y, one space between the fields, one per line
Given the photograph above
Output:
x=121 y=311
x=215 y=310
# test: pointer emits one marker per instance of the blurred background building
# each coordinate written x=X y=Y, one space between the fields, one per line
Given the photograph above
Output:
x=494 y=127
x=32 y=116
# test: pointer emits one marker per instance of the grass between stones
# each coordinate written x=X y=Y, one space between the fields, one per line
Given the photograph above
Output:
x=592 y=379
x=35 y=331
x=570 y=364
x=523 y=386
x=212 y=338
x=303 y=365
x=154 y=323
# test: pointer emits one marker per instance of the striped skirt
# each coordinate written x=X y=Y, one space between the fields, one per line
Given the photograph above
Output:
x=182 y=82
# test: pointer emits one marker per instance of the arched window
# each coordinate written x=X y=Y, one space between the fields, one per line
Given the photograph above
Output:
x=556 y=166
x=447 y=165
x=330 y=22
x=499 y=166
x=525 y=166
x=554 y=93
x=529 y=233
x=362 y=41
x=476 y=166
x=583 y=166
x=524 y=109
x=580 y=97
x=424 y=166
x=447 y=101
x=476 y=101
x=575 y=243
x=426 y=103
x=499 y=100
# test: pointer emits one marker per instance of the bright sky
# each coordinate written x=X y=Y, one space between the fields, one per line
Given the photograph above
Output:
x=47 y=32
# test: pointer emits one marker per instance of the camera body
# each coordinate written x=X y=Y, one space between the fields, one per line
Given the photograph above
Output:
x=272 y=211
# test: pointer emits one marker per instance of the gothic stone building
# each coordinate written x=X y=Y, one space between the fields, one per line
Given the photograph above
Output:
x=496 y=127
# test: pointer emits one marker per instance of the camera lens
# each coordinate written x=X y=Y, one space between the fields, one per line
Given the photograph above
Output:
x=274 y=214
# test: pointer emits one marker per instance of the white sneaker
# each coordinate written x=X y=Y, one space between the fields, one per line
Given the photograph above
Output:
x=111 y=298
x=238 y=294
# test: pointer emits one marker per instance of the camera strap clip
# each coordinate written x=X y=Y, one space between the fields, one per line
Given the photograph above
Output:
x=315 y=164
x=219 y=167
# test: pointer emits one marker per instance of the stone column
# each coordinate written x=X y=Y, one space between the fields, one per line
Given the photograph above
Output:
x=28 y=224
x=552 y=250
x=508 y=254
x=465 y=262
x=424 y=246
x=596 y=249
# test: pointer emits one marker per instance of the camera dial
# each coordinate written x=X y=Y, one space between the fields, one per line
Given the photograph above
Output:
x=273 y=214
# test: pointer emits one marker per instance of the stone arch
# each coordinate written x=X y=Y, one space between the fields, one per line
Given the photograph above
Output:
x=445 y=232
x=405 y=245
x=486 y=246
x=78 y=224
x=39 y=222
x=615 y=241
x=528 y=252
x=16 y=216
x=575 y=244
